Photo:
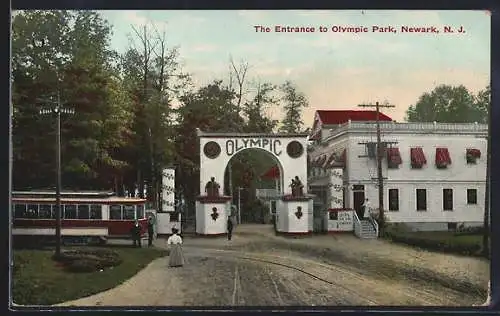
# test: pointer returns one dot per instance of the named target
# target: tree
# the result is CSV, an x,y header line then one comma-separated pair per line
x,y
294,102
153,76
446,104
482,104
66,53
254,110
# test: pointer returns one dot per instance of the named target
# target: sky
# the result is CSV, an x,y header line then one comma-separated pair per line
x,y
335,70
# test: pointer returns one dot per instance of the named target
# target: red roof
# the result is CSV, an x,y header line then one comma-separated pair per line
x,y
272,173
332,117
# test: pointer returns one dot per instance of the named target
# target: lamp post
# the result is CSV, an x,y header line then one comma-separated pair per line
x,y
239,204
57,109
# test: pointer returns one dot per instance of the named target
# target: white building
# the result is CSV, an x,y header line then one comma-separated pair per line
x,y
434,173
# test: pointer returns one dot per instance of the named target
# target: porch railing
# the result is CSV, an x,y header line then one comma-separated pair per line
x,y
357,225
374,222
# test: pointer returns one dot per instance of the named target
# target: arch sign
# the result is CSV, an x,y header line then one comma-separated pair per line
x,y
216,149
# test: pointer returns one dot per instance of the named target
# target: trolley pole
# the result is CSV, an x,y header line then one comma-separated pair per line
x,y
380,178
57,110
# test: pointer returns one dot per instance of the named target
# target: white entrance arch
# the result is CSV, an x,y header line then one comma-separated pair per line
x,y
216,149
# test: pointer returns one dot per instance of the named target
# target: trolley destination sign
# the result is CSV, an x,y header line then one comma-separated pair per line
x,y
272,145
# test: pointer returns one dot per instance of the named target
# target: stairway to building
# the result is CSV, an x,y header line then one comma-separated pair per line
x,y
367,230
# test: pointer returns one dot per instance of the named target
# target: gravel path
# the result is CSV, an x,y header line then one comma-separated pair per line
x,y
257,268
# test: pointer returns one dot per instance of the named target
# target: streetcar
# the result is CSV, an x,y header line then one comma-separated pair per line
x,y
86,217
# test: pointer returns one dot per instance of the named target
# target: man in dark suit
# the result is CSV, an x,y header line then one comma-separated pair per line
x,y
151,231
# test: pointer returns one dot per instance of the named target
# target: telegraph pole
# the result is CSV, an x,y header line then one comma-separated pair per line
x,y
380,178
57,110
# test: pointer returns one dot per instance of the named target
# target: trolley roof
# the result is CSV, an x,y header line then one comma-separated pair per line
x,y
105,197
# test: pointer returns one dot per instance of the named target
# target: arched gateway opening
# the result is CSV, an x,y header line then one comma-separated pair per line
x,y
213,206
252,190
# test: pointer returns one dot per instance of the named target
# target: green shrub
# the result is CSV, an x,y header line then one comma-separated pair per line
x,y
84,266
438,241
89,260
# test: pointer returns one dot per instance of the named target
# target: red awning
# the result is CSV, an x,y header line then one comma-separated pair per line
x,y
473,152
317,161
331,160
273,173
442,157
343,156
394,156
417,157
322,161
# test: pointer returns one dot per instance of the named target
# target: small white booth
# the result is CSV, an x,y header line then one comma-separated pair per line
x,y
340,220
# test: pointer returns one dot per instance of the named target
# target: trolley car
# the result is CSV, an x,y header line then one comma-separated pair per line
x,y
86,217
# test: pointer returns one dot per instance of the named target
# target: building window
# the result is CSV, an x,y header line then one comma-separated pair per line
x,y
421,200
447,199
129,212
95,211
393,200
83,211
70,211
115,212
471,196
45,211
452,226
333,216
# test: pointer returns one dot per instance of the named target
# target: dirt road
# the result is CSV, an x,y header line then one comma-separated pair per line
x,y
257,268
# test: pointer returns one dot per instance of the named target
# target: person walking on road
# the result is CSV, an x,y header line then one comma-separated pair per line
x,y
151,231
229,228
174,243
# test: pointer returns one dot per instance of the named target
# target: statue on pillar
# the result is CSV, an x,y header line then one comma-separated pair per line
x,y
297,187
212,188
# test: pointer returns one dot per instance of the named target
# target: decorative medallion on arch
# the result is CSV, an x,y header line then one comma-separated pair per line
x,y
212,150
294,149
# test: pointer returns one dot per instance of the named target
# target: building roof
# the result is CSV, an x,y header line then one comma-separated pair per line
x,y
331,117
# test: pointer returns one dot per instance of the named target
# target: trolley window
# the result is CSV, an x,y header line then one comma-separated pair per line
x,y
140,211
95,211
32,211
83,211
45,211
19,210
54,211
115,212
70,211
129,212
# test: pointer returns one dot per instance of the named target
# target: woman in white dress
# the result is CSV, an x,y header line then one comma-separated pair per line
x,y
174,243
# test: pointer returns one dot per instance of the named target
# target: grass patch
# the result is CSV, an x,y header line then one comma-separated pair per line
x,y
39,280
466,243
